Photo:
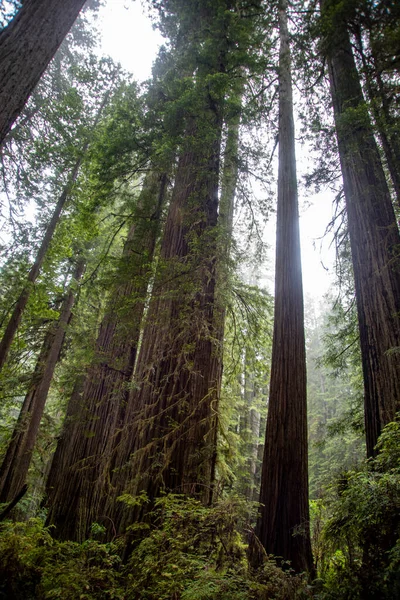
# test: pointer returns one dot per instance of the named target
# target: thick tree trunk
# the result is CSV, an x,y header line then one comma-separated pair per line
x,y
374,239
27,45
79,477
15,465
170,440
283,526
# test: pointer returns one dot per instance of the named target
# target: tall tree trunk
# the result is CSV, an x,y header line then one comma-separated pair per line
x,y
15,465
374,238
229,178
27,45
170,439
283,525
78,480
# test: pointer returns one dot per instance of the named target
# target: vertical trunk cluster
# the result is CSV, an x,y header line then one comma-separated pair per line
x,y
170,438
374,237
27,45
158,433
15,465
283,526
77,486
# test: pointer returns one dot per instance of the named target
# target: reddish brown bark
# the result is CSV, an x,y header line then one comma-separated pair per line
x,y
15,465
374,239
283,525
169,442
79,477
27,45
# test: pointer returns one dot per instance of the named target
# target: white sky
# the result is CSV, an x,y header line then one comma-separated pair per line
x,y
128,37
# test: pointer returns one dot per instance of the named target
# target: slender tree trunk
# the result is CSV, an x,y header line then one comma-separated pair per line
x,y
79,477
228,184
27,45
253,432
254,471
170,440
229,180
374,239
15,465
283,526
22,301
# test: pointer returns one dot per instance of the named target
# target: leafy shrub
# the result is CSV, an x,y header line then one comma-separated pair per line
x,y
185,552
198,553
34,565
362,534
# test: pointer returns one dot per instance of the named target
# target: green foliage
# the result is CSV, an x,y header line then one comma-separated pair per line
x,y
335,401
243,404
189,552
360,536
199,553
34,565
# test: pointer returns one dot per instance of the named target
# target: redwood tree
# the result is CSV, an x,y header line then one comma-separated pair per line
x,y
373,231
22,300
77,486
283,525
27,45
169,440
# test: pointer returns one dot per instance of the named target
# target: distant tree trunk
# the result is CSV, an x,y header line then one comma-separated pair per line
x,y
254,471
170,439
374,238
283,525
27,45
33,274
252,433
229,180
22,301
15,465
78,482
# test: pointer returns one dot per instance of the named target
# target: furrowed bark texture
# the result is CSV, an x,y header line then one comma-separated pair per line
x,y
374,239
15,465
78,481
283,525
27,45
169,442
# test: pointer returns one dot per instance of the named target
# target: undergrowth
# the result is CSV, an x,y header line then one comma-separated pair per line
x,y
189,553
186,551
